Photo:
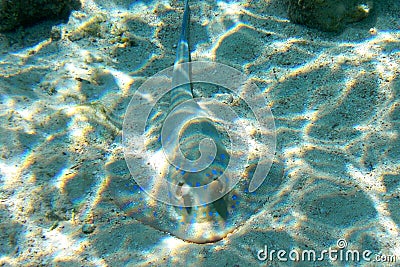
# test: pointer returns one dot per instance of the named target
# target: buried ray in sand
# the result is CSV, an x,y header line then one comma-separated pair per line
x,y
195,175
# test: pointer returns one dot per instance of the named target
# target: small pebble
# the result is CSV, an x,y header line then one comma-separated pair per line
x,y
55,33
373,31
224,98
88,228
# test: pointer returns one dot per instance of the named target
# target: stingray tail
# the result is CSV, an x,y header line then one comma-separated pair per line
x,y
181,73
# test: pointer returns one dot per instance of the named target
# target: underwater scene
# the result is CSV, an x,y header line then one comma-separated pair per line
x,y
200,133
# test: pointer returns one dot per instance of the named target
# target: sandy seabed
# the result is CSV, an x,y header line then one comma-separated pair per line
x,y
335,99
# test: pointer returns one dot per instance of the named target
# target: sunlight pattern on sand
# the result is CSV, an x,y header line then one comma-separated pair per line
x,y
336,102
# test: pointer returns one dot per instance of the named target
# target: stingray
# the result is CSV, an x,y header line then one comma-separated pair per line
x,y
189,177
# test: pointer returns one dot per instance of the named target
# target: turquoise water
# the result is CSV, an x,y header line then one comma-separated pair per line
x,y
335,101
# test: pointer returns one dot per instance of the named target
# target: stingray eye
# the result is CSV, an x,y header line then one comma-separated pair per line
x,y
182,189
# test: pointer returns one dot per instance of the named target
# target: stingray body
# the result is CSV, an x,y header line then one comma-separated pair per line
x,y
191,132
196,216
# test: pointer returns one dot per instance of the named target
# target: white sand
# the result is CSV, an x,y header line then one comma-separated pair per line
x,y
335,98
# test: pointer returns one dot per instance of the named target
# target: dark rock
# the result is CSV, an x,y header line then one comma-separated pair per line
x,y
328,15
16,13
